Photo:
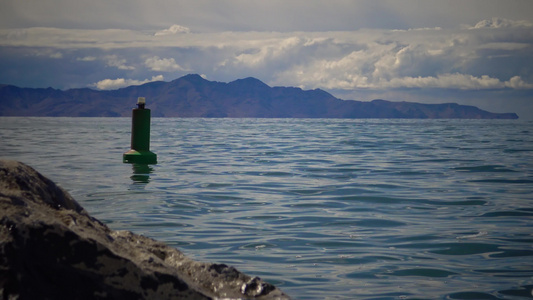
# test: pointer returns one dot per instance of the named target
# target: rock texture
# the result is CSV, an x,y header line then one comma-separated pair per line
x,y
51,248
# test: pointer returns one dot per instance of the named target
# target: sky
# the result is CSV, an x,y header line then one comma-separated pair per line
x,y
474,52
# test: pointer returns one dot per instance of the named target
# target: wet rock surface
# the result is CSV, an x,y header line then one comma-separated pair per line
x,y
51,248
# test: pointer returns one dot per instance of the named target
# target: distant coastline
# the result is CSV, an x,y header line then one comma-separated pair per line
x,y
194,96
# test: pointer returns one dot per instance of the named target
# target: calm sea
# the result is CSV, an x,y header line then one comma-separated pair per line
x,y
324,209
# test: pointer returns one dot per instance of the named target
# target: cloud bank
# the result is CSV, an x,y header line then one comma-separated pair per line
x,y
491,54
494,54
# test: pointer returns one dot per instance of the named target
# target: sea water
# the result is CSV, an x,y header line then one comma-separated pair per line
x,y
322,208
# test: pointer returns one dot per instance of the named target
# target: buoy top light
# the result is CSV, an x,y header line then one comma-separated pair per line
x,y
141,101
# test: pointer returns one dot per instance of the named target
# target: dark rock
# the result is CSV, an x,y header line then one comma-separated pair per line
x,y
51,248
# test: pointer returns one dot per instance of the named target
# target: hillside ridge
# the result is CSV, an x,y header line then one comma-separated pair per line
x,y
194,96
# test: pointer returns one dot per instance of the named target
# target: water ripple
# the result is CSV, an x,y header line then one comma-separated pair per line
x,y
325,209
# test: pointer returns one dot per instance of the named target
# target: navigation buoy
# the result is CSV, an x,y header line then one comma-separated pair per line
x,y
140,136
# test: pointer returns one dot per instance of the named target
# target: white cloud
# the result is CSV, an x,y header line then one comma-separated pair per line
x,y
49,53
453,81
444,81
86,58
111,84
174,29
162,64
114,61
269,52
517,83
56,55
502,23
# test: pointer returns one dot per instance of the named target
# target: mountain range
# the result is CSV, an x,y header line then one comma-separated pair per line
x,y
194,96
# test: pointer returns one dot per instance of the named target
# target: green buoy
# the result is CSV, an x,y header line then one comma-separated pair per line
x,y
140,136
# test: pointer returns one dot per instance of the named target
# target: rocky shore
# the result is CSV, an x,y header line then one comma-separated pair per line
x,y
51,248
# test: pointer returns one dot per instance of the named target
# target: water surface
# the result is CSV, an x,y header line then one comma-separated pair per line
x,y
324,209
